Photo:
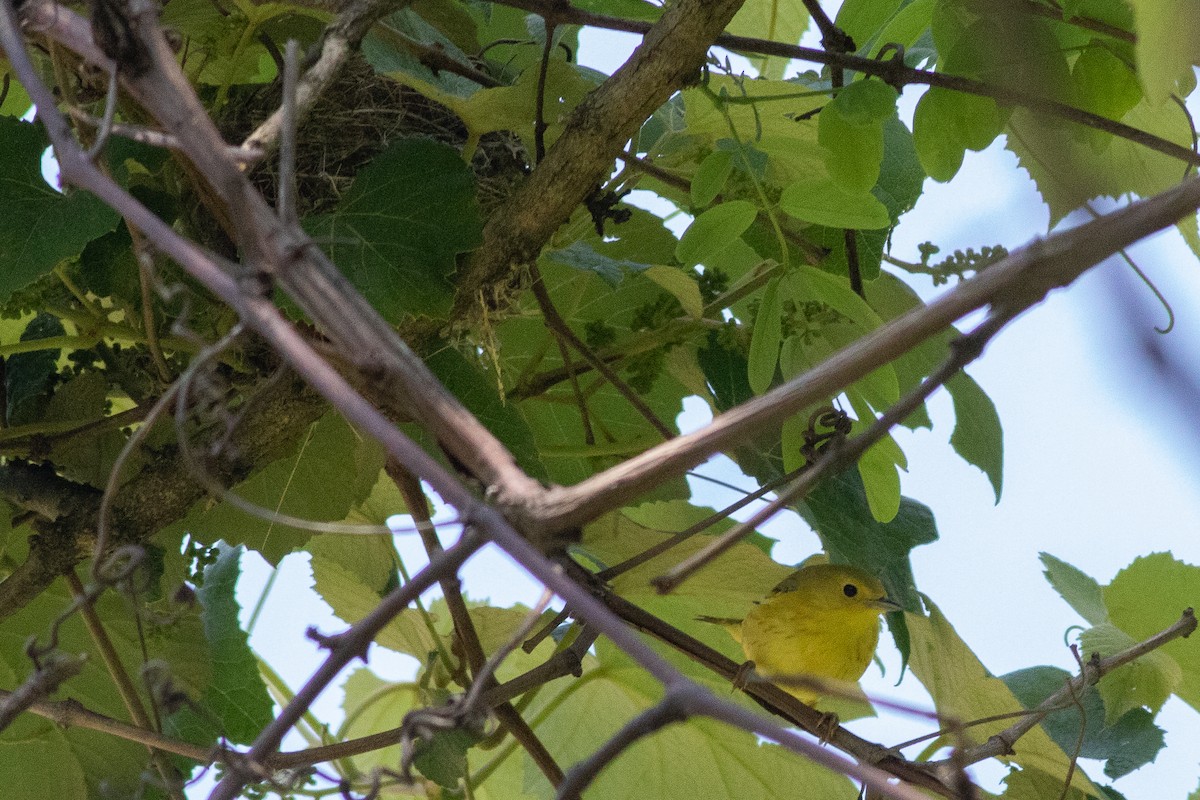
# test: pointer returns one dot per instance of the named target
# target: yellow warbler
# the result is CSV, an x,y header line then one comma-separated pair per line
x,y
822,621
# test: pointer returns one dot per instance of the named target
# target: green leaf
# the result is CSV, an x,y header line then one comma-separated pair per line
x,y
714,230
901,179
838,511
28,376
710,177
977,436
1104,84
318,482
1148,681
40,763
766,339
398,228
1131,742
1168,44
777,20
237,697
850,129
1034,784
1081,591
727,371
697,758
962,688
477,391
443,758
881,479
822,202
1101,165
64,222
682,285
372,704
948,123
1148,596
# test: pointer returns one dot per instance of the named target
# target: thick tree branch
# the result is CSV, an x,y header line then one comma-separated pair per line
x,y
669,58
1010,286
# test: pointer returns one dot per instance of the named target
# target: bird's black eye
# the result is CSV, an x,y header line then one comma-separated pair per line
x,y
850,590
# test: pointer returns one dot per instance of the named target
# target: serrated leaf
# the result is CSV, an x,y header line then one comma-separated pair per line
x,y
64,223
977,435
766,339
237,697
371,705
400,225
318,482
1129,743
40,764
1148,596
822,202
1081,591
714,230
962,688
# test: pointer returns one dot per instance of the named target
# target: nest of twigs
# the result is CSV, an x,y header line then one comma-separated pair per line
x,y
352,122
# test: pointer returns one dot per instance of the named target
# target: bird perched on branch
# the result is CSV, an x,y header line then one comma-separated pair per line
x,y
822,622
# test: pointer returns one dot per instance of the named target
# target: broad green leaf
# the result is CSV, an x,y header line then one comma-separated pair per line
x,y
698,758
90,459
1148,681
727,587
1104,84
398,228
477,391
681,284
881,480
371,705
838,511
318,482
850,129
352,596
862,19
766,339
837,294
28,376
823,202
1148,596
1129,743
237,697
977,435
40,763
962,688
1081,591
901,179
371,559
17,101
777,20
948,123
1033,784
1071,167
715,229
727,371
710,177
1168,43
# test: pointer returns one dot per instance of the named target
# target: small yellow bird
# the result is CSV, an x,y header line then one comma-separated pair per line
x,y
821,622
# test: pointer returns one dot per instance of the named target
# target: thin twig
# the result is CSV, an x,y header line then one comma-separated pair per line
x,y
963,351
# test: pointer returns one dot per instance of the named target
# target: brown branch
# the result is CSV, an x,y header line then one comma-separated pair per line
x,y
1093,670
464,627
559,327
668,58
893,71
1012,285
963,351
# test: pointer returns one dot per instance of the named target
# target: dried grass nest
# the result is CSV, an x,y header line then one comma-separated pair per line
x,y
352,122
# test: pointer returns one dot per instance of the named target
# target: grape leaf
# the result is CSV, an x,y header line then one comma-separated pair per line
x,y
63,222
398,228
1081,591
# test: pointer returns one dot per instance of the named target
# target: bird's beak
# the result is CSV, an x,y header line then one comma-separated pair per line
x,y
887,605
